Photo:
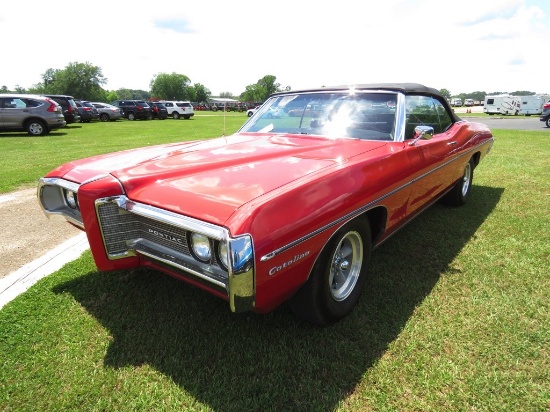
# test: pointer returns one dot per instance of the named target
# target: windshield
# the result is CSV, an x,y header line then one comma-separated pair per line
x,y
369,116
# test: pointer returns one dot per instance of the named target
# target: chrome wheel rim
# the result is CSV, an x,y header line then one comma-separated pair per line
x,y
36,128
346,266
466,179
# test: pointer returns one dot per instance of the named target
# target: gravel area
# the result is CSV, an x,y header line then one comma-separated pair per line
x,y
27,233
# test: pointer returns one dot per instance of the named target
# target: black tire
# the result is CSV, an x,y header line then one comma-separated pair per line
x,y
548,122
131,116
175,115
186,117
458,195
337,279
37,128
104,117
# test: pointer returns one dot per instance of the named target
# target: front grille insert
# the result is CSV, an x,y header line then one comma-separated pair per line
x,y
128,233
119,227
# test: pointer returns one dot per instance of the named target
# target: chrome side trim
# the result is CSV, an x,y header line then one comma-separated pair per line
x,y
362,209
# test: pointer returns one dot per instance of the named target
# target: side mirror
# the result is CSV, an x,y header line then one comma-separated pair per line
x,y
422,132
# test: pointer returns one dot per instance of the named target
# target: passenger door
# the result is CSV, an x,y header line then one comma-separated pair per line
x,y
432,168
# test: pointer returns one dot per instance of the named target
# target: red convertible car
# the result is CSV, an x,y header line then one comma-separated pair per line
x,y
289,208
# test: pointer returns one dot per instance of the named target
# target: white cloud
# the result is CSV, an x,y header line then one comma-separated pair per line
x,y
491,45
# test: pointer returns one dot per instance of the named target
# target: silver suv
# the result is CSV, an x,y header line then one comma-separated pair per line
x,y
37,115
178,109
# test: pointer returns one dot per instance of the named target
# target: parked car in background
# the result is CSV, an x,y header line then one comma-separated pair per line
x,y
36,115
87,111
159,110
456,102
107,112
545,115
178,109
134,109
287,209
250,112
67,103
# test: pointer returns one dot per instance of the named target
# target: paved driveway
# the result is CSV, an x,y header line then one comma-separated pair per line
x,y
511,122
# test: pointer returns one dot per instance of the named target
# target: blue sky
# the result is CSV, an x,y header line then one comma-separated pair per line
x,y
471,45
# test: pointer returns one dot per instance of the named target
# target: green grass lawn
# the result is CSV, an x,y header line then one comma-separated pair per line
x,y
455,315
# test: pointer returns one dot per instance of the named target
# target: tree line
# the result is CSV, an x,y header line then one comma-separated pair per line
x,y
85,81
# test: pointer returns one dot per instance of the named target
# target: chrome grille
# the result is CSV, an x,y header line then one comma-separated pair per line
x,y
121,227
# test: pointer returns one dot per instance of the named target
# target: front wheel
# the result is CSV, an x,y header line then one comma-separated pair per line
x,y
104,117
336,281
461,190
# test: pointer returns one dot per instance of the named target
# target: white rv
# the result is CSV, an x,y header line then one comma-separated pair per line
x,y
533,104
502,104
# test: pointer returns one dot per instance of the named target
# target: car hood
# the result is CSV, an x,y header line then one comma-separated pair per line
x,y
211,179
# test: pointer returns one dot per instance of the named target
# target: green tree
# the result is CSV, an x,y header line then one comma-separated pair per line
x,y
110,96
260,91
129,94
172,86
445,93
202,94
81,80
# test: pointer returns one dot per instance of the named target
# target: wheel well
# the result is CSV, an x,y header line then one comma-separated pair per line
x,y
35,119
377,218
476,156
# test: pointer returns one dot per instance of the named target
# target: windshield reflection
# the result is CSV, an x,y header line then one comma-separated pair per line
x,y
369,115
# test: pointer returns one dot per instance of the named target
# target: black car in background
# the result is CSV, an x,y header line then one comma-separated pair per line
x,y
67,103
545,115
134,109
87,111
158,110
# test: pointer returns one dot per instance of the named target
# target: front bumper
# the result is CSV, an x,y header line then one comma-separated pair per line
x,y
129,229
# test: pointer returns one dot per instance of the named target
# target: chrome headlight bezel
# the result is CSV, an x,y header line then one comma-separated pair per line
x,y
200,247
71,198
223,254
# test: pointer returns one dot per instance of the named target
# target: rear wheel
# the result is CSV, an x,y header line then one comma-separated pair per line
x,y
131,116
175,115
461,190
104,117
336,281
37,128
548,122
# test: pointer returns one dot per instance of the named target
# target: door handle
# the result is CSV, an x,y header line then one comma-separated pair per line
x,y
451,144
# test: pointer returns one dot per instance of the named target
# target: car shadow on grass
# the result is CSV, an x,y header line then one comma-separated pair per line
x,y
274,361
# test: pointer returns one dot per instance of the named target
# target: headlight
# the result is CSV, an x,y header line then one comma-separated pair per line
x,y
223,254
70,198
200,245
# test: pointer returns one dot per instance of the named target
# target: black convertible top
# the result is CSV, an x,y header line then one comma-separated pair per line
x,y
398,87
405,88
